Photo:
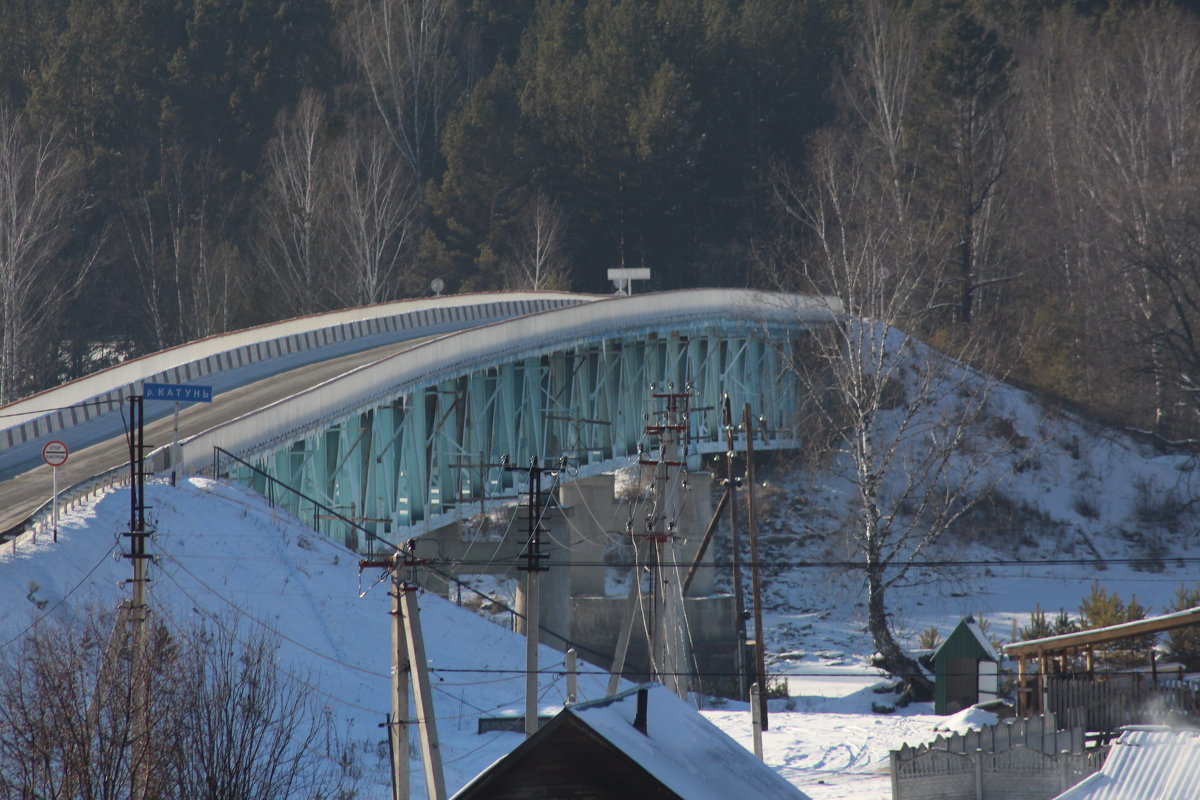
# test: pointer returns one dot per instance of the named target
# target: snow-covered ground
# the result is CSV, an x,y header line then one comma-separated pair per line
x,y
225,554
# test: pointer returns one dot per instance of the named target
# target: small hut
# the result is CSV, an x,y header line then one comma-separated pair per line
x,y
964,668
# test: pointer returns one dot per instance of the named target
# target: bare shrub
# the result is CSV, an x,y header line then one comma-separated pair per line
x,y
225,720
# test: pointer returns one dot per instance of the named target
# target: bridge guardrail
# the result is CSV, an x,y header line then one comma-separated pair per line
x,y
103,392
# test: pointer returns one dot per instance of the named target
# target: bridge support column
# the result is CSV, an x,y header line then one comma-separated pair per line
x,y
594,519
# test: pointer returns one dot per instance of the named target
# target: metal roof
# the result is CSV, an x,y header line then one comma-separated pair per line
x,y
1072,641
1146,761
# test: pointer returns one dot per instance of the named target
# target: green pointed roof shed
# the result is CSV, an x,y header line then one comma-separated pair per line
x,y
964,669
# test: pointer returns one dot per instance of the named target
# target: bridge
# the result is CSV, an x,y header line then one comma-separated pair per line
x,y
398,415
400,421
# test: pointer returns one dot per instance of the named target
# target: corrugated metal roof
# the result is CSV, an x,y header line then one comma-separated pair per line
x,y
1146,761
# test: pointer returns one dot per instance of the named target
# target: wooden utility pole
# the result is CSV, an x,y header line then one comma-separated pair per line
x,y
669,657
739,603
397,721
632,602
760,668
139,689
408,656
431,753
534,565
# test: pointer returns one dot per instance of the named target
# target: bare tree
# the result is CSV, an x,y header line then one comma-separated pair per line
x,y
402,50
904,414
878,91
294,210
65,720
538,261
187,272
226,721
1120,147
250,732
38,198
373,213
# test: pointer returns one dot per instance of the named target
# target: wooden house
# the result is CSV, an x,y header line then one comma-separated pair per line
x,y
965,669
644,743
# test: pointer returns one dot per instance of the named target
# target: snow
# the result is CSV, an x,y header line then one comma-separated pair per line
x,y
969,719
225,555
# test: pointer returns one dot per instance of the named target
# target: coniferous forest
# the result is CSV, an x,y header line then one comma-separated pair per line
x,y
171,169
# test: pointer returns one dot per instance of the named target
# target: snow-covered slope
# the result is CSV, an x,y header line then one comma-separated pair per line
x,y
224,554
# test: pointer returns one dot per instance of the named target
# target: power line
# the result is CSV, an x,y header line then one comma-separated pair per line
x,y
849,564
43,411
62,599
269,627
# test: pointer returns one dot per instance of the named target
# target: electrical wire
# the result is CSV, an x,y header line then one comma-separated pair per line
x,y
37,412
61,600
269,627
939,564
278,667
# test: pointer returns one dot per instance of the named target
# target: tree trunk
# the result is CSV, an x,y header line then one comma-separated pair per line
x,y
892,657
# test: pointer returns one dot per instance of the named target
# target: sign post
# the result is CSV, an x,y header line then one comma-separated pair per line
x,y
180,393
55,454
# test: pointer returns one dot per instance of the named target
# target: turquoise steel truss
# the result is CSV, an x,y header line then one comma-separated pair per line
x,y
431,454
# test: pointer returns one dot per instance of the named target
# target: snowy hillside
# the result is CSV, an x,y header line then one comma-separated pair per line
x,y
224,554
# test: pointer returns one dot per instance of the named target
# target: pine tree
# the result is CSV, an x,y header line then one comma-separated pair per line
x,y
1183,644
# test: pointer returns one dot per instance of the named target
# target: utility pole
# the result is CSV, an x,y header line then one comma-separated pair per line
x,y
397,722
138,610
408,654
669,659
632,603
739,603
534,564
431,752
760,668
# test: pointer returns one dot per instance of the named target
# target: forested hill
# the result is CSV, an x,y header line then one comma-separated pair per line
x,y
174,168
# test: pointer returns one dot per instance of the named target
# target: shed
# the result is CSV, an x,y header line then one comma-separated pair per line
x,y
964,669
643,743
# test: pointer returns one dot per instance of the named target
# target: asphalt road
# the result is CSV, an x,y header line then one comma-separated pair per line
x,y
22,494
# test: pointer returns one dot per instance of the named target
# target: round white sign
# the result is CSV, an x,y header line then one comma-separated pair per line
x,y
55,453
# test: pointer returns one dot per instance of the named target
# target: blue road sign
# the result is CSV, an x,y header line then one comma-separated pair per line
x,y
181,392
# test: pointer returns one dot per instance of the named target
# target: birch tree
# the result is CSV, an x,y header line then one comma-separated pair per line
x,y
908,444
538,261
187,272
292,245
374,214
402,50
38,198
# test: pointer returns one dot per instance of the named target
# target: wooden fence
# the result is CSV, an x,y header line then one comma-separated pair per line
x,y
1137,699
1023,759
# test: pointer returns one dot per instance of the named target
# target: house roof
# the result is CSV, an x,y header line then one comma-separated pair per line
x,y
681,749
967,640
1145,761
